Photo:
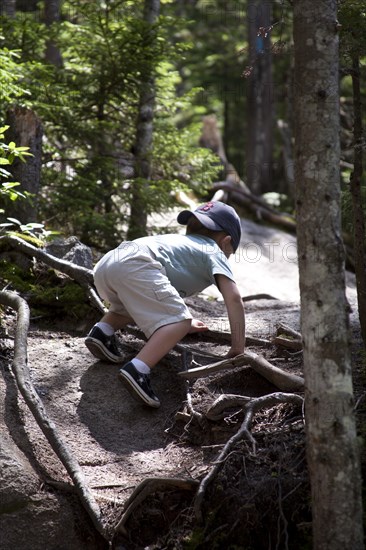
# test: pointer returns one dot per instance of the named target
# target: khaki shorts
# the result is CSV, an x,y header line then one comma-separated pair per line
x,y
135,284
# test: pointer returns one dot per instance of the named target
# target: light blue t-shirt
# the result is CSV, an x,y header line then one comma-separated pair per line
x,y
190,261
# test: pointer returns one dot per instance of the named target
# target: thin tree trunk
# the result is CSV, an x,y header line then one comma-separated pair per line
x,y
259,149
52,15
144,134
332,447
357,199
26,131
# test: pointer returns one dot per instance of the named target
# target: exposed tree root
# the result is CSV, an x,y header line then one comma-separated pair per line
x,y
34,403
146,488
250,408
80,274
282,380
216,411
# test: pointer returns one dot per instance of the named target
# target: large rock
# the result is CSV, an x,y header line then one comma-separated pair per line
x,y
32,516
72,250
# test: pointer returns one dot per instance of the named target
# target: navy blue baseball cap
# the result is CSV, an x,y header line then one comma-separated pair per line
x,y
216,216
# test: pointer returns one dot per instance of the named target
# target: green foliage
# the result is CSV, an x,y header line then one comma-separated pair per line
x,y
89,110
8,189
9,152
10,75
352,18
47,294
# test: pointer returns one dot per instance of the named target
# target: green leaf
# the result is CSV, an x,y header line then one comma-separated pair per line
x,y
14,220
10,184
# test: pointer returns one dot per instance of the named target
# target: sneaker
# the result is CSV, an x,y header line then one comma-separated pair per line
x,y
102,346
138,385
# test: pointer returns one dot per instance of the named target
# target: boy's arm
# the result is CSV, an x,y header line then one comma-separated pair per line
x,y
235,309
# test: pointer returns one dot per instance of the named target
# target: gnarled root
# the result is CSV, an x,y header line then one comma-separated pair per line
x,y
249,408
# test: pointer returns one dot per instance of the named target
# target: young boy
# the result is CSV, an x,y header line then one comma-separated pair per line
x,y
146,280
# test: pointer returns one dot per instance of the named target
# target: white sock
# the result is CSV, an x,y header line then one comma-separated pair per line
x,y
106,328
141,366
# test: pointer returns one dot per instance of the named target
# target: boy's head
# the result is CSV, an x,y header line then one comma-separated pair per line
x,y
216,216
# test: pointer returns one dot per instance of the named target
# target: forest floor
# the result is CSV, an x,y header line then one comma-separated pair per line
x,y
260,499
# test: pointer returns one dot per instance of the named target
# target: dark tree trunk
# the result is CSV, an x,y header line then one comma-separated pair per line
x,y
27,5
7,8
359,240
260,98
144,136
52,15
332,446
26,131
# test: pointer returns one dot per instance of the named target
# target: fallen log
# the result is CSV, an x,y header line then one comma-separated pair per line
x,y
257,205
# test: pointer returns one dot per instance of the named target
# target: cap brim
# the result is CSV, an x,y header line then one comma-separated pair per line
x,y
184,216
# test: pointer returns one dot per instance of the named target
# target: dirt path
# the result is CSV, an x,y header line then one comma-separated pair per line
x,y
119,443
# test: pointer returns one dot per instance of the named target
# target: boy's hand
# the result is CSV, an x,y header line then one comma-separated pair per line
x,y
234,352
197,326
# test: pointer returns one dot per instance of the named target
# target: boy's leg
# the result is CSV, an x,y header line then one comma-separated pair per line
x,y
135,374
101,341
116,320
162,341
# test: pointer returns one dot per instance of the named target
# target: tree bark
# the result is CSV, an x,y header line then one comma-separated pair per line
x,y
332,448
260,98
52,15
357,199
26,131
144,133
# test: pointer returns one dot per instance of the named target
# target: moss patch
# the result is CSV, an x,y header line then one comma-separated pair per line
x,y
46,292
